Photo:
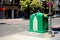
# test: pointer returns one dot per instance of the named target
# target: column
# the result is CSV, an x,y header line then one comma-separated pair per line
x,y
2,1
12,13
3,12
17,13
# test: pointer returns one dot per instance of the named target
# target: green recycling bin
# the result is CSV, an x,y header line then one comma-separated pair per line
x,y
38,22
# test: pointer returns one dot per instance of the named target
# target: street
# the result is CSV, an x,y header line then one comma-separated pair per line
x,y
20,31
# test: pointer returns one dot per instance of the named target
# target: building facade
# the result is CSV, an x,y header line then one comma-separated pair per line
x,y
12,7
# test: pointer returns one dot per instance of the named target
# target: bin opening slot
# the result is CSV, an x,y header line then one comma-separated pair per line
x,y
35,14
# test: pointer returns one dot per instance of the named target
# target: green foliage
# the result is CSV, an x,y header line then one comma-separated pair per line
x,y
24,3
47,0
33,4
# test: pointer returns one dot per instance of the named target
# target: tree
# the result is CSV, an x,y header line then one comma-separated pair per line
x,y
24,3
29,6
33,4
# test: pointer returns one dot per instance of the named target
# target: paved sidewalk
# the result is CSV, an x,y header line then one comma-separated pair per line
x,y
13,21
26,36
21,20
20,32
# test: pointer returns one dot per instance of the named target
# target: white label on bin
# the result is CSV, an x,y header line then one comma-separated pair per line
x,y
35,24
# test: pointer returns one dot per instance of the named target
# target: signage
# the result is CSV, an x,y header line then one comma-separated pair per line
x,y
35,24
2,9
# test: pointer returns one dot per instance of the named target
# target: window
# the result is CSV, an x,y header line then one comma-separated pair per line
x,y
7,1
16,2
0,1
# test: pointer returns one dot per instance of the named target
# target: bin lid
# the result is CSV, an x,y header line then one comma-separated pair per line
x,y
39,13
42,14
